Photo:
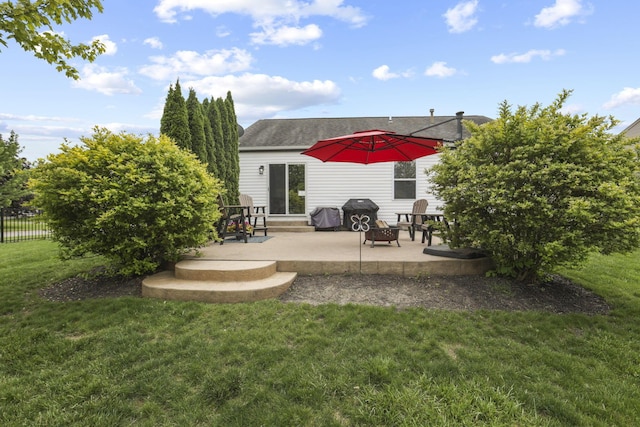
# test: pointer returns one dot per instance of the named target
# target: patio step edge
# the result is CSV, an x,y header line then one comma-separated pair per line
x,y
166,286
276,228
224,271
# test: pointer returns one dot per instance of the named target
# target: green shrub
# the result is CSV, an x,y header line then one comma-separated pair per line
x,y
537,188
139,202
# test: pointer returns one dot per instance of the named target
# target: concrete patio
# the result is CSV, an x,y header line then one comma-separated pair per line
x,y
338,252
242,272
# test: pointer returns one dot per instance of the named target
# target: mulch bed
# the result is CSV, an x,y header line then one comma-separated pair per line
x,y
558,295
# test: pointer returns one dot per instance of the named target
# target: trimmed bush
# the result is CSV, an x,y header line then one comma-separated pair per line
x,y
537,188
137,201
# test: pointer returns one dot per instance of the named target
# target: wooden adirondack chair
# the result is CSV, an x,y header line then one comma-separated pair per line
x,y
413,220
255,212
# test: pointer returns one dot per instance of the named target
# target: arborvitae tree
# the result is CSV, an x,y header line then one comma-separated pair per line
x,y
225,151
233,147
196,126
175,119
216,116
215,119
215,142
212,164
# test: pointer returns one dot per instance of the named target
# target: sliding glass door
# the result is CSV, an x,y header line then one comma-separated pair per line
x,y
287,189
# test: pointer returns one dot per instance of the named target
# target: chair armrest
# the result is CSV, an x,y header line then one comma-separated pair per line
x,y
405,214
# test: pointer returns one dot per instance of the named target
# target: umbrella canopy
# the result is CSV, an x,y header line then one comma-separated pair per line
x,y
373,146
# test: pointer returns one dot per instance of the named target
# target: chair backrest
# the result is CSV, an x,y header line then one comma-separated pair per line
x,y
419,207
246,200
222,205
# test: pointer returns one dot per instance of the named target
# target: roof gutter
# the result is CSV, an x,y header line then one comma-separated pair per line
x,y
275,148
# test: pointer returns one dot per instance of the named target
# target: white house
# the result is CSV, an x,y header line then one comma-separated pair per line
x,y
275,173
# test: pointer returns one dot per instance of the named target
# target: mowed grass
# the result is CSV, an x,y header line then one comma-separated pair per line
x,y
132,361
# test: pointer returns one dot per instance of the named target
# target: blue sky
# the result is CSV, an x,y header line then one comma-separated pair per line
x,y
327,58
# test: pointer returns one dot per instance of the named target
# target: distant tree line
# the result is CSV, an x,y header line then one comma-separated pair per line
x,y
12,181
209,129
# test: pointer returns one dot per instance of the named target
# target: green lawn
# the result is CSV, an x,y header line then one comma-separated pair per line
x,y
131,361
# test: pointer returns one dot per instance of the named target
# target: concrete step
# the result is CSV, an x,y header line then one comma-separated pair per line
x,y
218,281
287,222
224,271
165,286
290,228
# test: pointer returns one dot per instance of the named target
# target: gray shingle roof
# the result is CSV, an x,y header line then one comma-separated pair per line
x,y
303,133
633,130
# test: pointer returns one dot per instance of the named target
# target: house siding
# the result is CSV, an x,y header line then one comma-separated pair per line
x,y
332,184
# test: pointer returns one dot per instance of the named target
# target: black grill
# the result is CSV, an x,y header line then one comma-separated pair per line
x,y
359,207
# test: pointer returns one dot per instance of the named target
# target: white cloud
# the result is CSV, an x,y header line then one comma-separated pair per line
x,y
190,64
526,57
137,129
33,118
264,10
222,31
440,69
572,109
462,17
154,42
285,35
627,96
561,13
383,73
258,95
277,21
110,47
99,79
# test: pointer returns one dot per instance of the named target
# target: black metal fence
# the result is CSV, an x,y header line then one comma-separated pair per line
x,y
18,224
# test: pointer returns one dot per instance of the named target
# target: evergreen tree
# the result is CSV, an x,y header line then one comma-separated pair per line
x,y
216,117
233,147
212,165
11,181
210,130
175,119
225,151
196,126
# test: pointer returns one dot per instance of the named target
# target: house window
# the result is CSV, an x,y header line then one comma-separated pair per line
x,y
404,180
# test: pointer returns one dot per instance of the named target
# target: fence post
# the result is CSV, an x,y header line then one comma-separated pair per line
x,y
1,225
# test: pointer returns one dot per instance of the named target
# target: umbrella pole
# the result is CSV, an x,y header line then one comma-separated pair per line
x,y
360,245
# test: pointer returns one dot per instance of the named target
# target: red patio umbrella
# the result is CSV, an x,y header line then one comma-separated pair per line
x,y
373,146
